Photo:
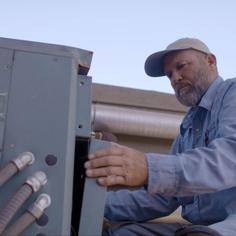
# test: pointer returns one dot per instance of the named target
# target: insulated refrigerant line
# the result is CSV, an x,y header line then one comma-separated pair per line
x,y
16,165
35,211
32,184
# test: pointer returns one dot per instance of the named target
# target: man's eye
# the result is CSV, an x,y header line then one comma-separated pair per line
x,y
182,65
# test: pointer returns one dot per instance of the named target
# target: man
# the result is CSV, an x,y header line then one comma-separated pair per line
x,y
199,173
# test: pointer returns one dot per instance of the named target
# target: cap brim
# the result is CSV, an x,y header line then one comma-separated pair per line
x,y
154,64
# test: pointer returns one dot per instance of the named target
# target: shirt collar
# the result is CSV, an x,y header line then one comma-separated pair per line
x,y
209,96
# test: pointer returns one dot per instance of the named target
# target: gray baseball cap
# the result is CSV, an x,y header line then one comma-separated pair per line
x,y
155,62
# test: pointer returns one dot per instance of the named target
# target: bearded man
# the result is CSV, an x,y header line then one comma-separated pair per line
x,y
199,171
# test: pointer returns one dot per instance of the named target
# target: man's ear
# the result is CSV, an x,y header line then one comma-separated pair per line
x,y
211,59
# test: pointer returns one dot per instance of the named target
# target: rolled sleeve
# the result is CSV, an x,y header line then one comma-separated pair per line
x,y
163,173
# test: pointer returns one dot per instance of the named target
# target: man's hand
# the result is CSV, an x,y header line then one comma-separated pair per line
x,y
118,165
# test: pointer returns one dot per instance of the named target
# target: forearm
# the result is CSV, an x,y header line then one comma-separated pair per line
x,y
138,205
197,171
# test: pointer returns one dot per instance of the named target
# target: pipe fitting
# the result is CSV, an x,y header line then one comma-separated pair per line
x,y
24,159
37,180
38,207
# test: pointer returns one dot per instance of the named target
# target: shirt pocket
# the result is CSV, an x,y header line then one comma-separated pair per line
x,y
186,139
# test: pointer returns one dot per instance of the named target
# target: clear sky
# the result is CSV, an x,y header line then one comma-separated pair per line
x,y
122,33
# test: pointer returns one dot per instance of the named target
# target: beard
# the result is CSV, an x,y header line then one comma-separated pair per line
x,y
190,94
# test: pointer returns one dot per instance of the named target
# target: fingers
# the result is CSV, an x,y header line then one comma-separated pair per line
x,y
106,171
114,150
113,175
108,165
111,180
103,161
117,165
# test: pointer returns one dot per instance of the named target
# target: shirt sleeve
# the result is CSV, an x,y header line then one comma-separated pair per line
x,y
137,205
203,169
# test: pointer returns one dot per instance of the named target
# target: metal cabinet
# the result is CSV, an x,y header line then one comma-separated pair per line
x,y
45,104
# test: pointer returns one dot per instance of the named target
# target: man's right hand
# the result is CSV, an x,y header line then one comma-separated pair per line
x,y
118,165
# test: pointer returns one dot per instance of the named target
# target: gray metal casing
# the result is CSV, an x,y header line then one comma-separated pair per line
x,y
43,107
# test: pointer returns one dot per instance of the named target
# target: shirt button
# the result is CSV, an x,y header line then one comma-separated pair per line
x,y
197,130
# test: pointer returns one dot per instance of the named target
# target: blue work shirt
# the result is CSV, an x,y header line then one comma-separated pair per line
x,y
199,173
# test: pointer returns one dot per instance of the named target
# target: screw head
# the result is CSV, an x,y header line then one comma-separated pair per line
x,y
43,220
51,160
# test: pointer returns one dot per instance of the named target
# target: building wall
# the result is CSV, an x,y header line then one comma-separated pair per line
x,y
139,99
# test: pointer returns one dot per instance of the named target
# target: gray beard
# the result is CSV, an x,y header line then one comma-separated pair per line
x,y
195,93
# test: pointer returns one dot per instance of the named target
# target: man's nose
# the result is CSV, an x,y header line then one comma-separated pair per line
x,y
175,77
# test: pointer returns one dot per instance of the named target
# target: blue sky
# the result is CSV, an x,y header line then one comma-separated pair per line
x,y
123,33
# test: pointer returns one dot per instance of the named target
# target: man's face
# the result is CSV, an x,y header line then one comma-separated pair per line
x,y
189,73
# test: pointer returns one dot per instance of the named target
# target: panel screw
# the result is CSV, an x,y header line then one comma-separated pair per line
x,y
51,160
6,67
43,220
